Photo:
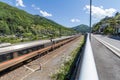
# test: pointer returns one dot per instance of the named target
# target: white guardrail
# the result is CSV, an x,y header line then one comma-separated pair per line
x,y
88,69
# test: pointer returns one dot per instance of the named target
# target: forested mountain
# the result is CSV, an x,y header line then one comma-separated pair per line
x,y
20,24
82,28
108,25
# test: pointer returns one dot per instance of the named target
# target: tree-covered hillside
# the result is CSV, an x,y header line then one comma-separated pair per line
x,y
108,25
82,28
16,23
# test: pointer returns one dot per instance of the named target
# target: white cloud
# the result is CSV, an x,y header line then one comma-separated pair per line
x,y
20,3
45,14
100,12
33,5
75,20
36,8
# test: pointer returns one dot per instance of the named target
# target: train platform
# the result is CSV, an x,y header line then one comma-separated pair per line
x,y
49,64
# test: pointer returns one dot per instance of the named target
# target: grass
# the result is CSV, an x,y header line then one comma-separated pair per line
x,y
13,40
61,73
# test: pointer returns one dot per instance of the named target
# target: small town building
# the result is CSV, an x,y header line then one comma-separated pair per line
x,y
117,30
102,27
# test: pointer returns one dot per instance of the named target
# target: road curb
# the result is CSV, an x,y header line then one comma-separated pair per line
x,y
115,50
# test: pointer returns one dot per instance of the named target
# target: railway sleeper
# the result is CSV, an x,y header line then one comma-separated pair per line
x,y
39,54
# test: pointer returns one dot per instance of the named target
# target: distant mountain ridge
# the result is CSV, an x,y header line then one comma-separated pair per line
x,y
82,28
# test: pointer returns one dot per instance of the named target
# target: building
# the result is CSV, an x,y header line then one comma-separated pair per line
x,y
117,30
102,27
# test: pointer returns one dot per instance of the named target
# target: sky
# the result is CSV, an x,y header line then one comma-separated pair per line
x,y
68,13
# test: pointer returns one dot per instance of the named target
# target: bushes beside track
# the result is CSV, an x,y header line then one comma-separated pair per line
x,y
61,73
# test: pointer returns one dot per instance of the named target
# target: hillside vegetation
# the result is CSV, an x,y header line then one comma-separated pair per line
x,y
108,25
82,28
17,25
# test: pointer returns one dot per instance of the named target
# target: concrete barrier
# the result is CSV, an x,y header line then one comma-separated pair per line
x,y
88,69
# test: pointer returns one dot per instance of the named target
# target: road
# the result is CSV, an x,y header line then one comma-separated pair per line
x,y
111,41
107,63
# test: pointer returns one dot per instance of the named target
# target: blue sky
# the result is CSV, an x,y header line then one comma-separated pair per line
x,y
68,13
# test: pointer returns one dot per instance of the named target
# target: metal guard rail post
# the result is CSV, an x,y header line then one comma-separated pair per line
x,y
88,69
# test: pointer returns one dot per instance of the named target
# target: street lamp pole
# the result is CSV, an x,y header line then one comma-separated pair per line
x,y
90,18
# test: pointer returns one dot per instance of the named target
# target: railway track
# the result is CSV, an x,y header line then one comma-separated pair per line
x,y
25,67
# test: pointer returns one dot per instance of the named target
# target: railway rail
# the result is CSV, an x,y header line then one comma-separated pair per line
x,y
41,49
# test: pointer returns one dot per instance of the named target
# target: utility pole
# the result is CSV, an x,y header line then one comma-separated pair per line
x,y
90,17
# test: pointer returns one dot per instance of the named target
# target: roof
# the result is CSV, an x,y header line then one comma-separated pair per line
x,y
25,45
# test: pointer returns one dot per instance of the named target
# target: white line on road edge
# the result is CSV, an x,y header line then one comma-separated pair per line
x,y
109,46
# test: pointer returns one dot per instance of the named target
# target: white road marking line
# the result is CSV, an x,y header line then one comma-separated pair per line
x,y
108,44
111,47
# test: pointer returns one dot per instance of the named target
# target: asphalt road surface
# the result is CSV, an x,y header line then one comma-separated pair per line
x,y
107,63
114,42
